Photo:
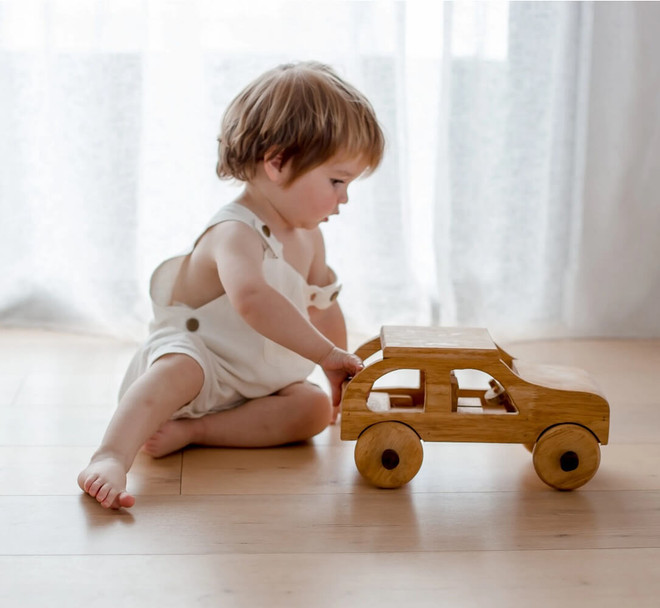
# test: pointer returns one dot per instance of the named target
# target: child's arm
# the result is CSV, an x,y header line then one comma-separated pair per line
x,y
330,322
238,255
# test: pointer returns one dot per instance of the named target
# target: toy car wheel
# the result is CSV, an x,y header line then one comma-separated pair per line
x,y
566,456
388,454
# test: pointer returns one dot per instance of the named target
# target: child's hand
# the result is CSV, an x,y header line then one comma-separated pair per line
x,y
339,365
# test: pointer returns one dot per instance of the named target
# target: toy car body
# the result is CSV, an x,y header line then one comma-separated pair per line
x,y
558,412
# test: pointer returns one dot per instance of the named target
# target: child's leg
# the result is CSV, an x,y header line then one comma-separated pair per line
x,y
295,413
169,384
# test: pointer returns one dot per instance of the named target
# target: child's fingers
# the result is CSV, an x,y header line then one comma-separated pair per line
x,y
354,364
343,362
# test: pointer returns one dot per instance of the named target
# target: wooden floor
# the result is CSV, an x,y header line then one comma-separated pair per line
x,y
296,526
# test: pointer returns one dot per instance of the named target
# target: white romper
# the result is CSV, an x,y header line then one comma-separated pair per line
x,y
238,362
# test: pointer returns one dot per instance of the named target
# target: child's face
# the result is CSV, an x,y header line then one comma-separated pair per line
x,y
316,195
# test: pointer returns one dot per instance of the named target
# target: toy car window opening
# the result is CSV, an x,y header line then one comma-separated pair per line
x,y
476,392
399,389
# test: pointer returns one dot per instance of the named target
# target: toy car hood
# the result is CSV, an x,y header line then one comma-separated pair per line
x,y
559,377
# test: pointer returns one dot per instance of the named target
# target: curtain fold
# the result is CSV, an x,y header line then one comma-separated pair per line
x,y
512,155
518,192
616,278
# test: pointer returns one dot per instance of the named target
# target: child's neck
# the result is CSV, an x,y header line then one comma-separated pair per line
x,y
257,200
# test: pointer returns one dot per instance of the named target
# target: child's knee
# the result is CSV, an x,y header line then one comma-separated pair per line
x,y
181,373
314,413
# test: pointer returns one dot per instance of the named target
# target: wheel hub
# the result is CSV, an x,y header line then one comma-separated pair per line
x,y
390,459
569,461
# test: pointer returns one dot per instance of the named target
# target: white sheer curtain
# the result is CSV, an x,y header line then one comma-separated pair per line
x,y
519,190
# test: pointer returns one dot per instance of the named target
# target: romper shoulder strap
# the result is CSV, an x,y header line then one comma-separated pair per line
x,y
239,213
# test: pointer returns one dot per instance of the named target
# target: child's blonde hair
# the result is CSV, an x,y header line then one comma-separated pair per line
x,y
303,111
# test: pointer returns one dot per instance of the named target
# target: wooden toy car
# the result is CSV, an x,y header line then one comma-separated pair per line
x,y
466,388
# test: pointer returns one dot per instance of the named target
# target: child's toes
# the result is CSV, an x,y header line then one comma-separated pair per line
x,y
103,493
110,501
94,487
117,500
125,500
82,481
86,482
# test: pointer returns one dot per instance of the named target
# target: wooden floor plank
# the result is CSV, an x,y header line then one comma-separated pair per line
x,y
68,389
447,467
52,471
54,425
9,388
613,578
373,522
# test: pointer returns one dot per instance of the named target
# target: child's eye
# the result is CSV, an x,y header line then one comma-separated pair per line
x,y
336,181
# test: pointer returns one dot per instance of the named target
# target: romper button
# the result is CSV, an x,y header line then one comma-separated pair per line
x,y
192,324
266,230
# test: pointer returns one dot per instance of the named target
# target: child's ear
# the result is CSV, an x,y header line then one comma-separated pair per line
x,y
274,167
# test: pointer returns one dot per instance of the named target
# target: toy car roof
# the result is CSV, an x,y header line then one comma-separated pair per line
x,y
397,341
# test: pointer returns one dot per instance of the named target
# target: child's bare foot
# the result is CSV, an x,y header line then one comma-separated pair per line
x,y
172,436
105,480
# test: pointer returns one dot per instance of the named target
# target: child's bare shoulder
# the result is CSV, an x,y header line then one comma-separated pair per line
x,y
225,241
229,233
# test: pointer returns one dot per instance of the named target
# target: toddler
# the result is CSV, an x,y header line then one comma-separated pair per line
x,y
241,319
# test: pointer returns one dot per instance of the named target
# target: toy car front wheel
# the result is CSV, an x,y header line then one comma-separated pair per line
x,y
566,456
388,454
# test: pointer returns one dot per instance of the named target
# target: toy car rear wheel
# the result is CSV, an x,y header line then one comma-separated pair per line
x,y
566,456
388,454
